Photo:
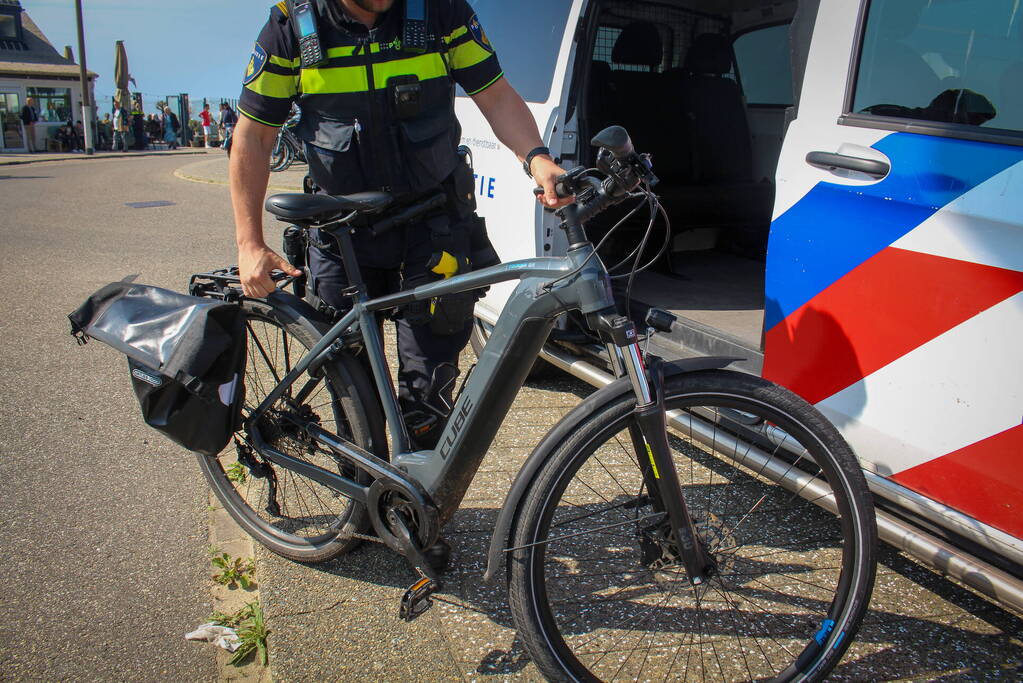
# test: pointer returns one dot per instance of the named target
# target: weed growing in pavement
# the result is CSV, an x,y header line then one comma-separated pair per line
x,y
232,571
253,632
237,473
231,620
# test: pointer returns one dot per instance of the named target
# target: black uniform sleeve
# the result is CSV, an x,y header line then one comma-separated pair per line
x,y
471,57
271,77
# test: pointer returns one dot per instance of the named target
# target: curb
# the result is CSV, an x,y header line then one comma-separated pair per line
x,y
216,181
93,157
227,536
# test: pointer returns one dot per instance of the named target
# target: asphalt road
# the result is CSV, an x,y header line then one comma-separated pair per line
x,y
103,523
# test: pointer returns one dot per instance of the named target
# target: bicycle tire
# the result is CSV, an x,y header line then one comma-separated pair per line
x,y
594,607
313,523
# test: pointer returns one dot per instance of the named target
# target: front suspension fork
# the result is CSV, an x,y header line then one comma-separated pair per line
x,y
650,438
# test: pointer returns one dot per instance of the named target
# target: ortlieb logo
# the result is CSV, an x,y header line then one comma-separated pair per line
x,y
140,374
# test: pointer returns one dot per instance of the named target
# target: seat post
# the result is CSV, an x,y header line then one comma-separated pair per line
x,y
352,272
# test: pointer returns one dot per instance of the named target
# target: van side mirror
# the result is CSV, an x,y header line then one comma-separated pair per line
x,y
616,140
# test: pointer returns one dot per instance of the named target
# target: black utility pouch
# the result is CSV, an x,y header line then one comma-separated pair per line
x,y
462,186
416,312
481,251
451,313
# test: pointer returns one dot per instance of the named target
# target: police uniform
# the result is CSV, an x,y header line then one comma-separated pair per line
x,y
360,135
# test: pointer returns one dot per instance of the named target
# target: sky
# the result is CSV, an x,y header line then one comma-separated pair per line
x,y
199,47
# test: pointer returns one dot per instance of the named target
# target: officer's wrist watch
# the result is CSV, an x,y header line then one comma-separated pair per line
x,y
533,153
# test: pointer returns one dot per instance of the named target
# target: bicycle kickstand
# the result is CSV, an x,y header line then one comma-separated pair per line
x,y
416,599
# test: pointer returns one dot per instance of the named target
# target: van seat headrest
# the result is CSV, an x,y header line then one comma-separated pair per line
x,y
710,53
638,43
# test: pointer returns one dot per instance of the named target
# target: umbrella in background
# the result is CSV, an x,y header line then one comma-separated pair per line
x,y
121,75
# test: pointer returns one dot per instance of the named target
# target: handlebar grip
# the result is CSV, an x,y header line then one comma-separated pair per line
x,y
559,188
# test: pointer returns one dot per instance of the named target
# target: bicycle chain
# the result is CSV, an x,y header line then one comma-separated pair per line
x,y
364,537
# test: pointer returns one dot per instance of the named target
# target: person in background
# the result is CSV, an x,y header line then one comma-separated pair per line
x,y
120,124
227,120
206,119
104,132
78,136
171,126
29,117
65,136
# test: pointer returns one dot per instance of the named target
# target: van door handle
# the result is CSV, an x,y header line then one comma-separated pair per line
x,y
830,161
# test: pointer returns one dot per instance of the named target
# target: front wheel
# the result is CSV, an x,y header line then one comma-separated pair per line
x,y
597,587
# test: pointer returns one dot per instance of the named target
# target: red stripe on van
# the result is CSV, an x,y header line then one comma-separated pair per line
x,y
883,309
984,480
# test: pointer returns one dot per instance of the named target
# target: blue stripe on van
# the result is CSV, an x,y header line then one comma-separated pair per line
x,y
835,228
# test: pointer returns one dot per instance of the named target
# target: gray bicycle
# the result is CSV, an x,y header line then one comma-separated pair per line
x,y
686,521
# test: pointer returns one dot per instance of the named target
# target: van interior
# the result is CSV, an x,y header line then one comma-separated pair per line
x,y
704,86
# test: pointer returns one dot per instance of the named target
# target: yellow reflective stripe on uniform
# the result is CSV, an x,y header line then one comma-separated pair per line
x,y
283,7
467,54
457,33
340,79
348,79
286,63
425,67
349,50
346,51
274,85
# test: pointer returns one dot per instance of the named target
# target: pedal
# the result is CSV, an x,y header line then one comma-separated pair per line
x,y
417,598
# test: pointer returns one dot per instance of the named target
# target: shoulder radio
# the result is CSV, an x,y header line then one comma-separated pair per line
x,y
414,33
310,48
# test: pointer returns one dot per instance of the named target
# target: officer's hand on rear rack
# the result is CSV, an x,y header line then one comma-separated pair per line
x,y
545,173
255,263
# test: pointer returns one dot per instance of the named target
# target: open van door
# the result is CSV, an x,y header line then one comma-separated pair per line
x,y
533,40
894,281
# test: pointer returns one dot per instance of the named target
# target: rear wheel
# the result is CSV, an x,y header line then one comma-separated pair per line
x,y
281,156
597,587
290,514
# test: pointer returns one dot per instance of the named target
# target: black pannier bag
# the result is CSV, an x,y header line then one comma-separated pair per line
x,y
186,356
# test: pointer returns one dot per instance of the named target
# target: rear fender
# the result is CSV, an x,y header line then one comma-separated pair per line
x,y
506,519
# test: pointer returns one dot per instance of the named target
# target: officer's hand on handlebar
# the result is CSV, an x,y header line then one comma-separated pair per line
x,y
545,173
254,267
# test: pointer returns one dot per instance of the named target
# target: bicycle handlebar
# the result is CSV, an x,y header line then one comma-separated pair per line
x,y
625,170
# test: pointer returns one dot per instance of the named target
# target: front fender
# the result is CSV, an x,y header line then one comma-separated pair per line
x,y
509,511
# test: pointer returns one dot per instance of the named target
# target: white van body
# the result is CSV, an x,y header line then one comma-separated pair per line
x,y
891,297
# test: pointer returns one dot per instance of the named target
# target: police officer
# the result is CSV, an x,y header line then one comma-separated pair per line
x,y
378,114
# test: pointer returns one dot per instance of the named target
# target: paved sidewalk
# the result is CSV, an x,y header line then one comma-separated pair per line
x,y
19,159
214,172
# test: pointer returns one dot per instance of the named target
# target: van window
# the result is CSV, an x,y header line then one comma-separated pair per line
x,y
527,35
762,57
954,61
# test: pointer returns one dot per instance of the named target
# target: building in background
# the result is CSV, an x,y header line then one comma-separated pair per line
x,y
31,67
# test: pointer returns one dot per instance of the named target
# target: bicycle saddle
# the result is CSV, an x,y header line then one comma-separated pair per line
x,y
320,207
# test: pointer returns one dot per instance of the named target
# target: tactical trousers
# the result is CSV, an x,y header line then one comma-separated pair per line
x,y
421,352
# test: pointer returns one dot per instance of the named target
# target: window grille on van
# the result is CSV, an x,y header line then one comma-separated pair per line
x,y
677,27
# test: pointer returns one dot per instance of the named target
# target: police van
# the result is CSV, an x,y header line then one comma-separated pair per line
x,y
844,182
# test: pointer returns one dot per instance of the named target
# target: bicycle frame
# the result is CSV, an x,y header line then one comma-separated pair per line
x,y
446,472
